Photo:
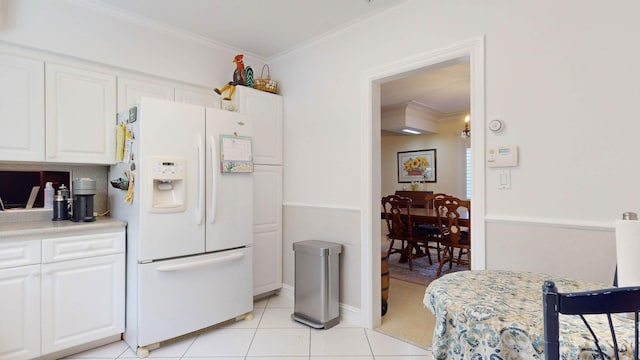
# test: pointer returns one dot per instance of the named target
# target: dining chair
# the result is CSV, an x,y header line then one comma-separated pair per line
x,y
432,230
452,234
397,211
604,301
430,198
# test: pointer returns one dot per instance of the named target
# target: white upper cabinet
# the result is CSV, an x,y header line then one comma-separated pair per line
x,y
196,96
130,91
266,110
81,115
21,109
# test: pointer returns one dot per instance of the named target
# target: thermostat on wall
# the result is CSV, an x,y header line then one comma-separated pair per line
x,y
496,125
502,156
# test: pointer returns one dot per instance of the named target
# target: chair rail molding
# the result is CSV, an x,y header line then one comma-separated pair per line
x,y
322,206
607,226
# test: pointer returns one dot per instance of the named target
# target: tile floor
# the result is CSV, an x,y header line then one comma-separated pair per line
x,y
271,334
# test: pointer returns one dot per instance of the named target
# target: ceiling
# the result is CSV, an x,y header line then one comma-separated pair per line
x,y
262,28
265,29
444,90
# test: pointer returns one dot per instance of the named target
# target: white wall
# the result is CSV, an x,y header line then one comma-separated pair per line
x,y
561,75
449,159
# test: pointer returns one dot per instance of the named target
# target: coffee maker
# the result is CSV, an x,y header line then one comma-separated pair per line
x,y
83,191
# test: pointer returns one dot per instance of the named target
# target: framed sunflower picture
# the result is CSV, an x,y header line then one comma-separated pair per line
x,y
417,165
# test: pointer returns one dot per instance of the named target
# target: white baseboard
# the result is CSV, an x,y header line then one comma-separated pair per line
x,y
348,313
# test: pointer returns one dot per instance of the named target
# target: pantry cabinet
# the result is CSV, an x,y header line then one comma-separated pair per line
x,y
21,108
61,291
80,115
265,109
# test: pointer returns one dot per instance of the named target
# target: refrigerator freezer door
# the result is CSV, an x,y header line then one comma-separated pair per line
x,y
184,295
229,200
170,138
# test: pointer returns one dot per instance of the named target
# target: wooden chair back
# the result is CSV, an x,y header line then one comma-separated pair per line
x,y
605,301
397,210
394,206
449,221
429,200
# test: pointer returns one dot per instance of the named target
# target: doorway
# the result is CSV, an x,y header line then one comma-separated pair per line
x,y
431,104
471,51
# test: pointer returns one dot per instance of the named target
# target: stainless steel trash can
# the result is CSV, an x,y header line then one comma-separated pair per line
x,y
317,288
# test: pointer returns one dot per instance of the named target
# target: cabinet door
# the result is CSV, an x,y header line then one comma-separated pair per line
x,y
21,108
20,313
80,115
82,301
266,111
267,228
198,97
131,90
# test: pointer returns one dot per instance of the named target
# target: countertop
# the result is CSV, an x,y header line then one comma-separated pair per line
x,y
30,223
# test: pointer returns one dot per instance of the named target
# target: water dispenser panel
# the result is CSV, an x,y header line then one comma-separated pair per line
x,y
169,192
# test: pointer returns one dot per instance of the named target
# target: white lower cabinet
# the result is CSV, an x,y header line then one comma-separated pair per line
x,y
20,312
61,292
267,228
82,301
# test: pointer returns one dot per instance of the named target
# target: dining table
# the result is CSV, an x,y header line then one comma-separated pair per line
x,y
430,216
498,314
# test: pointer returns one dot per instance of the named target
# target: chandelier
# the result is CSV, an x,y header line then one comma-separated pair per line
x,y
466,133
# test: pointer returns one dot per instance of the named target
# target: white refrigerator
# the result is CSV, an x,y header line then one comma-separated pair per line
x,y
189,223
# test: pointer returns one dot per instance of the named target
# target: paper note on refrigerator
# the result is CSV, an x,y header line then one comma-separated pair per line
x,y
235,154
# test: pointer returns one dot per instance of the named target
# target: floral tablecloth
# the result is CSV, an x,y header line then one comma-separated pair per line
x,y
494,315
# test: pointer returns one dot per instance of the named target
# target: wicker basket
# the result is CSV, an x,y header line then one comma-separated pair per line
x,y
265,83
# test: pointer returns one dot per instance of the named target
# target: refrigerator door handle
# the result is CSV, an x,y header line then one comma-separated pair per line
x,y
201,263
214,178
201,180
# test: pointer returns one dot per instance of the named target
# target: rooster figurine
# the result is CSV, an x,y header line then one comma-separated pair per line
x,y
238,78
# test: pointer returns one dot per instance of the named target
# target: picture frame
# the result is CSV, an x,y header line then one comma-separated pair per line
x,y
417,166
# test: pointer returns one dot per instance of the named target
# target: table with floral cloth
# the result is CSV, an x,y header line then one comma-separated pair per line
x,y
494,315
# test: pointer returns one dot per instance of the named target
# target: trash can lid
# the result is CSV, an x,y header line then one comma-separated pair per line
x,y
317,247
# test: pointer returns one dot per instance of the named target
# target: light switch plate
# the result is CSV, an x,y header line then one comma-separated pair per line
x,y
504,182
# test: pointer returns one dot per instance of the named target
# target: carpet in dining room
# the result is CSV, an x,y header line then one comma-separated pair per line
x,y
422,273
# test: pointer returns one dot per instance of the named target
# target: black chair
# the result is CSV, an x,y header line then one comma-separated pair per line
x,y
603,301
